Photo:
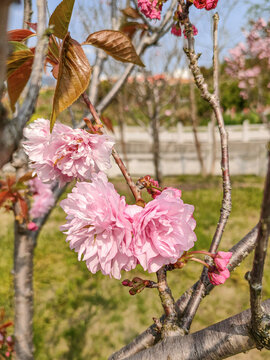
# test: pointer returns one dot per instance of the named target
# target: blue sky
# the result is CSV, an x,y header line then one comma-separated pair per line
x,y
233,17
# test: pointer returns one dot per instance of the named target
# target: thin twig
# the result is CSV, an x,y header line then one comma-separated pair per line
x,y
213,100
260,321
136,193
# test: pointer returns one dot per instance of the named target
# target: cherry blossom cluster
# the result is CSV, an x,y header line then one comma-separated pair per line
x,y
106,232
66,153
113,236
205,4
151,8
257,46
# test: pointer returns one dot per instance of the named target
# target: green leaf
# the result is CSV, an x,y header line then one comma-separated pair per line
x,y
16,46
116,44
60,18
73,76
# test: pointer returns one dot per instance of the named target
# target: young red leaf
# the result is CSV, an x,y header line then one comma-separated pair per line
x,y
4,195
32,25
132,13
18,57
116,44
24,208
73,76
108,123
19,34
19,67
60,18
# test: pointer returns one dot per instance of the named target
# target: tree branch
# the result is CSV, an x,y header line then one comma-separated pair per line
x,y
170,324
27,13
11,131
260,320
219,341
151,335
136,193
213,100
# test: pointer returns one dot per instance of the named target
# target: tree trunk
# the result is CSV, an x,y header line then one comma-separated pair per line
x,y
194,121
23,288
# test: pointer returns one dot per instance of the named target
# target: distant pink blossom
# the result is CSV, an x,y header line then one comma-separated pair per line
x,y
150,8
221,260
66,153
218,277
163,230
99,226
42,196
176,30
32,226
205,4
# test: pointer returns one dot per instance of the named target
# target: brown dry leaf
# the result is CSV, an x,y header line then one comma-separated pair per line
x,y
73,76
130,28
116,44
60,18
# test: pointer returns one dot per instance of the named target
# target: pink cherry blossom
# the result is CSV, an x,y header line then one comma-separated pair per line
x,y
176,30
218,277
99,226
66,153
42,196
205,4
257,47
163,230
150,8
221,260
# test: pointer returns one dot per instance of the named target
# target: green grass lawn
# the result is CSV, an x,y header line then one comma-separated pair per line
x,y
82,316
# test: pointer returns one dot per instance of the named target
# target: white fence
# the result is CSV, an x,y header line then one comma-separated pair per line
x,y
247,145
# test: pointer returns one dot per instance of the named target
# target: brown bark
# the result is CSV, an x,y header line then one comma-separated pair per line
x,y
23,288
27,13
219,341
